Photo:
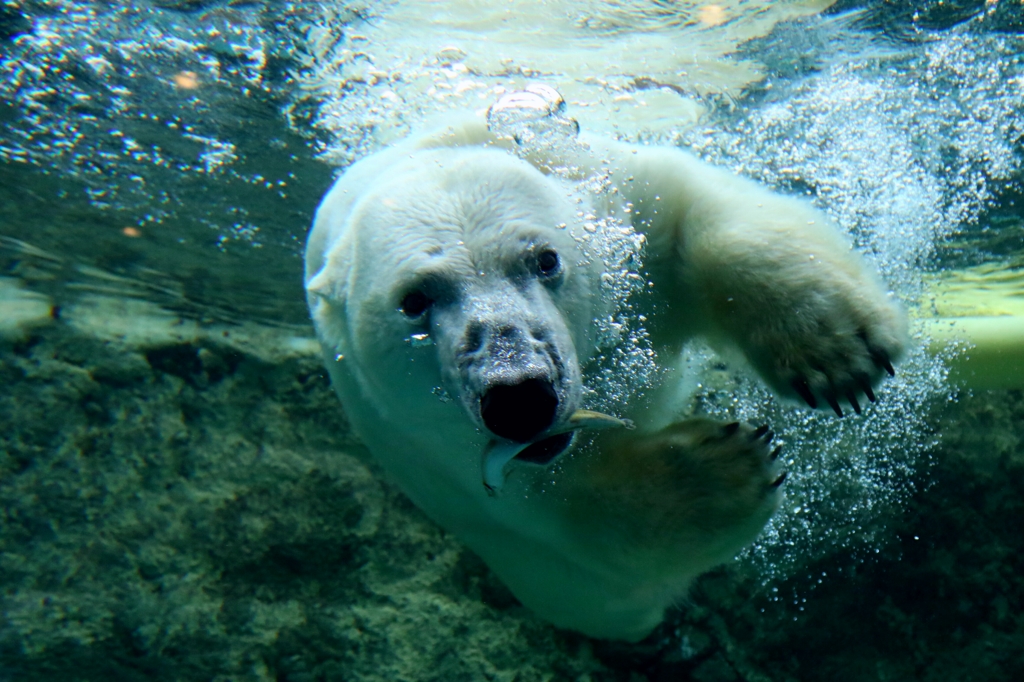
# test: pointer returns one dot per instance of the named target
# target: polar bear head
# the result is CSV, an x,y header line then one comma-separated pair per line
x,y
454,272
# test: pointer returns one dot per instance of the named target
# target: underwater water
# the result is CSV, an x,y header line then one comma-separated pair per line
x,y
181,495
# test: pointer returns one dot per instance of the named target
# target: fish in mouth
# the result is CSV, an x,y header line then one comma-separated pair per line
x,y
542,451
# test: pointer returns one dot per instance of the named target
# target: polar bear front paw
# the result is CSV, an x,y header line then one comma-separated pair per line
x,y
702,487
722,470
833,346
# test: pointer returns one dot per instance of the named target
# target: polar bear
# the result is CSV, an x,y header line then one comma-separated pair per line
x,y
455,299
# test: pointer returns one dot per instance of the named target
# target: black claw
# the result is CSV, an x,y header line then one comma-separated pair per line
x,y
881,358
834,404
775,453
768,437
780,480
864,383
878,356
804,391
866,387
731,428
852,397
760,431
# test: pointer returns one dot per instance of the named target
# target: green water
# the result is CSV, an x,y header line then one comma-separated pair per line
x,y
181,496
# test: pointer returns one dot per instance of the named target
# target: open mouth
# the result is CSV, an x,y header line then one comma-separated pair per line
x,y
519,412
498,453
540,453
544,451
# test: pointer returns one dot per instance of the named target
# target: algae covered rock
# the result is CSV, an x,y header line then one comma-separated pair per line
x,y
187,503
185,509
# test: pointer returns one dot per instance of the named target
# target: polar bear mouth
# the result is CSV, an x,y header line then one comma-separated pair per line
x,y
546,450
498,454
519,412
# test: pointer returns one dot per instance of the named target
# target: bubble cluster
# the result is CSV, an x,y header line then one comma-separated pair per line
x,y
143,108
624,365
902,150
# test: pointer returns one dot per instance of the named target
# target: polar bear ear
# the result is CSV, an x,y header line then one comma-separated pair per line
x,y
324,286
327,307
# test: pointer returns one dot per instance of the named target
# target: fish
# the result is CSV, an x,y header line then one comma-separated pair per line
x,y
499,453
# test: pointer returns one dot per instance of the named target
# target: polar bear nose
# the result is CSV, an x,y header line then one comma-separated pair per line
x,y
519,412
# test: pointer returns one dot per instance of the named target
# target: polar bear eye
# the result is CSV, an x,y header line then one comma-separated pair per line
x,y
548,262
415,304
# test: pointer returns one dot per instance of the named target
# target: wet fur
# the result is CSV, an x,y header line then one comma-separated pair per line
x,y
604,544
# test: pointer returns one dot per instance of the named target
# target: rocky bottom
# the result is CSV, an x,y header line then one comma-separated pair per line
x,y
186,502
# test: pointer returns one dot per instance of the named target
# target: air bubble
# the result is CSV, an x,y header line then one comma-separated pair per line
x,y
442,395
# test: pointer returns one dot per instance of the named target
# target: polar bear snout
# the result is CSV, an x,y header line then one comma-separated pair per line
x,y
517,377
505,347
519,412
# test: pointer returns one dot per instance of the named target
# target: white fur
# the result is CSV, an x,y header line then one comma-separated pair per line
x,y
629,519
